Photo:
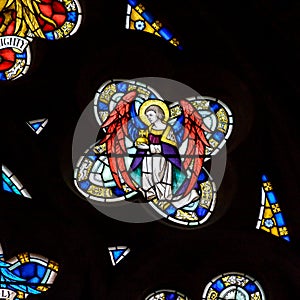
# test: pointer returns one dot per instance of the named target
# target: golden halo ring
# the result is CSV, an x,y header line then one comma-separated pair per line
x,y
159,103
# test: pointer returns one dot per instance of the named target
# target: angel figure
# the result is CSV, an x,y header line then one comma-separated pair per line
x,y
157,168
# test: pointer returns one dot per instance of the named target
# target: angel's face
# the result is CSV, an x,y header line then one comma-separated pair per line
x,y
151,116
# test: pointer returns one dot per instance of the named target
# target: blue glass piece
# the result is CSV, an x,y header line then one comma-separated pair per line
x,y
201,211
218,285
271,197
152,96
6,179
264,178
170,210
117,253
279,219
191,206
27,270
2,76
170,296
214,106
6,187
92,157
165,33
287,238
84,185
148,17
40,270
102,106
122,87
72,16
133,2
49,36
251,287
202,176
36,126
219,136
118,192
21,55
34,280
16,272
16,191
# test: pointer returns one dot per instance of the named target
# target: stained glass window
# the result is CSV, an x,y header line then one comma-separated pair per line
x,y
26,274
123,164
166,294
270,216
10,183
22,21
118,253
233,285
37,125
139,18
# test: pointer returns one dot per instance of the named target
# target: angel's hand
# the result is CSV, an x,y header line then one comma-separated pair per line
x,y
142,146
154,149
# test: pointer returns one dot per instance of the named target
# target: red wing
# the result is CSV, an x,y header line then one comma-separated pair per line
x,y
116,130
196,141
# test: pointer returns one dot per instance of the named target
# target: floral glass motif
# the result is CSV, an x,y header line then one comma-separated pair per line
x,y
166,295
138,18
154,149
25,274
23,20
233,285
270,216
10,183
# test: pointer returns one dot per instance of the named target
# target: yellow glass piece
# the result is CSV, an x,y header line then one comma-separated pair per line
x,y
99,191
174,42
157,25
23,257
53,265
186,215
42,288
141,140
283,231
268,213
135,16
267,186
150,29
276,208
255,296
225,280
274,230
107,93
20,295
140,8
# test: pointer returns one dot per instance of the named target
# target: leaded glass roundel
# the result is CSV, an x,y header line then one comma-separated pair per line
x,y
153,147
233,285
166,295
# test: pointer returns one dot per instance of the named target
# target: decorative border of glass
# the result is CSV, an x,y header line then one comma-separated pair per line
x,y
138,18
47,19
233,285
26,274
10,183
270,217
166,294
